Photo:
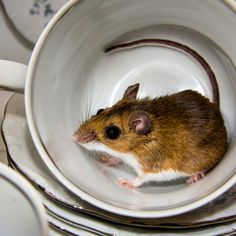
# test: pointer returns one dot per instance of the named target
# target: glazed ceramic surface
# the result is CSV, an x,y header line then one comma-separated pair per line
x,y
19,197
30,17
71,76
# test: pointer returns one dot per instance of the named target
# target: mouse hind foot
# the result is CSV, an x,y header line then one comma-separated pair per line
x,y
195,178
132,184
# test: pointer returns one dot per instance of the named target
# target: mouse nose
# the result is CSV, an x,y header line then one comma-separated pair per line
x,y
83,136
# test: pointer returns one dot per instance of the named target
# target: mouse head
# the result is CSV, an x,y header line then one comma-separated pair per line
x,y
120,128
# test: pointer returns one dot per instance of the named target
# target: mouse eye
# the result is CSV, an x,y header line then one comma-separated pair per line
x,y
99,111
112,132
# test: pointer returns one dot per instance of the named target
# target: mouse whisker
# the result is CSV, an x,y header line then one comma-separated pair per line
x,y
94,99
87,102
78,114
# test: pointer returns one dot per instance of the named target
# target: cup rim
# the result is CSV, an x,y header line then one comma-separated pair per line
x,y
30,193
59,175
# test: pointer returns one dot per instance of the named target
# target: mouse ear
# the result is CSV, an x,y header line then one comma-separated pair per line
x,y
140,122
131,92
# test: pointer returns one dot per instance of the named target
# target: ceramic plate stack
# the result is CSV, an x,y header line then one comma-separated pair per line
x,y
69,214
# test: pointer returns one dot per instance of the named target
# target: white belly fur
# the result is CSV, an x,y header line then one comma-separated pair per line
x,y
131,161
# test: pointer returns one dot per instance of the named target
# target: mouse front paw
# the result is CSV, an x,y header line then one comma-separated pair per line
x,y
108,160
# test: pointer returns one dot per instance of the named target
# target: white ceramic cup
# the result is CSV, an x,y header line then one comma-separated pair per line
x,y
22,212
70,74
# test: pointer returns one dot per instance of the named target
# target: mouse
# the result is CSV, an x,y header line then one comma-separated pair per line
x,y
179,135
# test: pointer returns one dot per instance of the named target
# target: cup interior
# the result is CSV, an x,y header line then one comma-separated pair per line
x,y
74,76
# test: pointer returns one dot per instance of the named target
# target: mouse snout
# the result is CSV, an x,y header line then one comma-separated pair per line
x,y
83,136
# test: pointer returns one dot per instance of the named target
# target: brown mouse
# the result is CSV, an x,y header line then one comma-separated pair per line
x,y
178,135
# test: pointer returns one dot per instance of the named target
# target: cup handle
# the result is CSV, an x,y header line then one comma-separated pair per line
x,y
12,75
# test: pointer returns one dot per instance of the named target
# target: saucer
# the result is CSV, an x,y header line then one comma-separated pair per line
x,y
69,221
30,17
73,222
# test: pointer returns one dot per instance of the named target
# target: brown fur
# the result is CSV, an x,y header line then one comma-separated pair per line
x,y
187,132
